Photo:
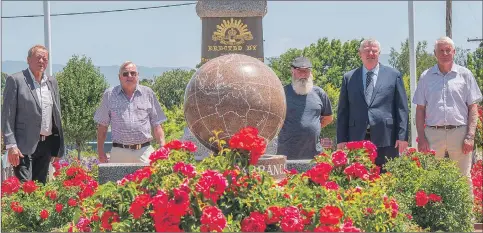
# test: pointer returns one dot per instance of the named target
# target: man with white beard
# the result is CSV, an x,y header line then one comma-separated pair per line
x,y
308,111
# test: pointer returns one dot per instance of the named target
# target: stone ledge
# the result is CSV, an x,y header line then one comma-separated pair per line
x,y
116,171
299,165
231,8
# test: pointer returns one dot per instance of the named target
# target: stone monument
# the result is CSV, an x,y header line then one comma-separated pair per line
x,y
231,92
231,26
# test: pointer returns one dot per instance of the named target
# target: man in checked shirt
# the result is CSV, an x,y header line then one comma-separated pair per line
x,y
132,110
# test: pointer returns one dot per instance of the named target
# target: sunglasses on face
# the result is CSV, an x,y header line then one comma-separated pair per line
x,y
126,74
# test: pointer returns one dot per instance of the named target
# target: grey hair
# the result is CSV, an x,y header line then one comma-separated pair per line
x,y
126,63
370,41
443,40
35,48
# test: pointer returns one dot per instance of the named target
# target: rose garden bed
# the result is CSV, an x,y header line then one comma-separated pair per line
x,y
343,192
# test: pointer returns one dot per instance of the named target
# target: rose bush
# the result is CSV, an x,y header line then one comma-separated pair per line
x,y
477,183
432,190
343,192
31,206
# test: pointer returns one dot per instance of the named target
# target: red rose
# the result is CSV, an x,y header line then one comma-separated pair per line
x,y
348,227
327,229
435,198
421,198
10,186
292,223
255,222
273,215
190,146
319,173
174,145
44,214
58,207
212,219
29,186
108,218
72,202
330,215
161,154
180,202
139,204
83,225
355,145
339,158
16,207
212,185
331,185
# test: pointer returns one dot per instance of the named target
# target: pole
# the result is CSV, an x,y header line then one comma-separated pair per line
x,y
412,72
449,11
47,35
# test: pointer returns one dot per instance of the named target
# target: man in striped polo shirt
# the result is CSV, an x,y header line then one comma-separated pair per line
x,y
131,110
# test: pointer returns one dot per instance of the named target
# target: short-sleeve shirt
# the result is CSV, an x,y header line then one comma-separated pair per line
x,y
299,137
131,120
447,97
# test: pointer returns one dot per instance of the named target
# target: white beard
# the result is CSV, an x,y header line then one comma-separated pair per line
x,y
302,86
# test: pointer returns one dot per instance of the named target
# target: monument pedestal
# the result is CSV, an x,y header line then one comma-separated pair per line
x,y
273,165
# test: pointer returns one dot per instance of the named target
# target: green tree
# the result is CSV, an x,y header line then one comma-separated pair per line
x,y
475,64
81,87
170,87
4,78
147,82
400,60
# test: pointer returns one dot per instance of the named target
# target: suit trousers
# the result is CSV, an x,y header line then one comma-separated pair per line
x,y
36,166
384,154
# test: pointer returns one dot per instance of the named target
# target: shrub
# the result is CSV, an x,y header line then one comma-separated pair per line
x,y
477,183
432,190
31,206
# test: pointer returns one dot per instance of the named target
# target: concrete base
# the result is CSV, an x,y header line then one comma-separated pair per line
x,y
116,171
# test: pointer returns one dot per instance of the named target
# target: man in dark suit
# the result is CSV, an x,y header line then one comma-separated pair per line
x,y
373,105
31,120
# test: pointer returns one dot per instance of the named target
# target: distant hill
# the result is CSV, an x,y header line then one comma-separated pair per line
x,y
109,72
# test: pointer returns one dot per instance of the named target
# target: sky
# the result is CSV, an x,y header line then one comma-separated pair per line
x,y
171,37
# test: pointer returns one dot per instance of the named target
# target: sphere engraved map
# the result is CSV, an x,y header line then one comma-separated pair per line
x,y
231,92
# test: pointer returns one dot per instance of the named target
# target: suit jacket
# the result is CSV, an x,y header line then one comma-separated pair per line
x,y
387,112
22,115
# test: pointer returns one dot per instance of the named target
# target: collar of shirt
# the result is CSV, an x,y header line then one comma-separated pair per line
x,y
121,91
375,70
435,70
43,80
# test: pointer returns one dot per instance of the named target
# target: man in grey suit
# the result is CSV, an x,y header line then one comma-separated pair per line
x,y
31,120
373,105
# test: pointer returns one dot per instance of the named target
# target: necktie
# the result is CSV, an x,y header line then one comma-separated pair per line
x,y
369,87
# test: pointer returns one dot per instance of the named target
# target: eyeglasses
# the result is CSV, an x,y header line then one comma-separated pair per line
x,y
133,74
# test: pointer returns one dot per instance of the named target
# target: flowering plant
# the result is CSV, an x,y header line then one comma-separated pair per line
x,y
31,206
227,193
432,190
477,183
343,192
479,129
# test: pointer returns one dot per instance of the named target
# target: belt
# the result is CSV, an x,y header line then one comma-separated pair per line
x,y
132,147
43,138
445,126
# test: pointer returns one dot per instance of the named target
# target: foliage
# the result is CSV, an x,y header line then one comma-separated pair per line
x,y
475,64
31,207
477,183
400,60
433,190
479,128
81,87
146,82
330,60
4,78
170,87
174,126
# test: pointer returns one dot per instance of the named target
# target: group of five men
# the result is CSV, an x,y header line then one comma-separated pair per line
x,y
373,105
